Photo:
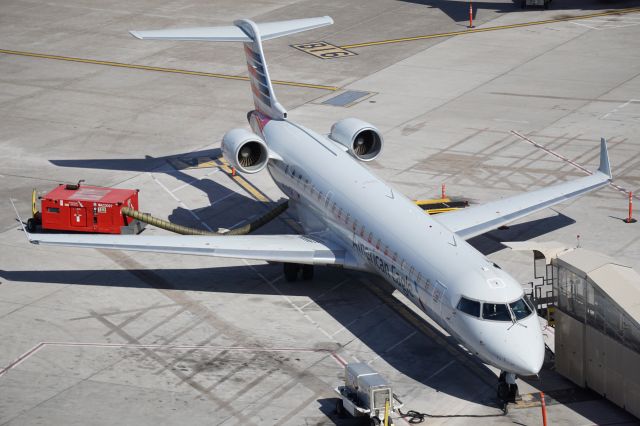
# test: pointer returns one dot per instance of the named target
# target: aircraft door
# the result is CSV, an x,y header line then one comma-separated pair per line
x,y
439,292
327,199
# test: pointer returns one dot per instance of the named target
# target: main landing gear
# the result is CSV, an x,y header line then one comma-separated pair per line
x,y
507,387
293,271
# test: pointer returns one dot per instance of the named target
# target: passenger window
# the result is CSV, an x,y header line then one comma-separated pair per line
x,y
495,312
520,309
470,307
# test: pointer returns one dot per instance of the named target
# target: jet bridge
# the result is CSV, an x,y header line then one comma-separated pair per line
x,y
597,319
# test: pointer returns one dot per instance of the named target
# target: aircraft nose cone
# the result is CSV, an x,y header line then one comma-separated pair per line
x,y
528,362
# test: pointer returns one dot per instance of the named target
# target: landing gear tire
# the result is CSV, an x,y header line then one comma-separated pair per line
x,y
291,271
375,421
503,391
507,388
339,408
307,272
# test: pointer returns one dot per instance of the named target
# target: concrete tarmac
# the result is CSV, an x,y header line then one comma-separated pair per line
x,y
99,337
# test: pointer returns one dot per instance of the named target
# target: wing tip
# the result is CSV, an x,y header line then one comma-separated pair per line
x,y
605,166
136,34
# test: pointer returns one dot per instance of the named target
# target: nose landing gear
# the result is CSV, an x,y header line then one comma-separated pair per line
x,y
507,388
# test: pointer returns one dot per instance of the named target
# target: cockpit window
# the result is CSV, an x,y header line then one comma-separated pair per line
x,y
520,309
470,307
495,312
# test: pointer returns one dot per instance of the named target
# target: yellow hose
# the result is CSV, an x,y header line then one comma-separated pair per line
x,y
185,230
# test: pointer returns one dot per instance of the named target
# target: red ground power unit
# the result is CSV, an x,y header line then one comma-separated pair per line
x,y
86,208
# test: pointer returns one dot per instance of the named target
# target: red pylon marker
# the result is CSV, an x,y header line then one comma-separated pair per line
x,y
233,171
544,409
443,192
470,14
630,219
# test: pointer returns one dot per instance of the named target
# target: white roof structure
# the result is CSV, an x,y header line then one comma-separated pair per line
x,y
619,281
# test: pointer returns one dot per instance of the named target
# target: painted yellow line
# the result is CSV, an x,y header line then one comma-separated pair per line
x,y
224,166
160,69
496,28
255,192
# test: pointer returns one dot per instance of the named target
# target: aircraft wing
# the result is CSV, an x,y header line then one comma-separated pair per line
x,y
477,220
272,248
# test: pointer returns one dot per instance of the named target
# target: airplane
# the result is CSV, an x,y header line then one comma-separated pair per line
x,y
354,220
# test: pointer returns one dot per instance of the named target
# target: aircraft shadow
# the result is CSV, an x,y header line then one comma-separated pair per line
x,y
345,308
491,242
222,199
222,211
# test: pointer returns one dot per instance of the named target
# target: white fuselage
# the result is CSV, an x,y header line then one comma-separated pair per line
x,y
336,196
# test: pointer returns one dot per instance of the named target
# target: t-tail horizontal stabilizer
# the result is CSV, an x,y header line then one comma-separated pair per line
x,y
251,34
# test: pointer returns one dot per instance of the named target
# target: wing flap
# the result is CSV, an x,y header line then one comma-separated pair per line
x,y
477,220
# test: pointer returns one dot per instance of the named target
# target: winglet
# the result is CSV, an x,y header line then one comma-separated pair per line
x,y
21,222
604,159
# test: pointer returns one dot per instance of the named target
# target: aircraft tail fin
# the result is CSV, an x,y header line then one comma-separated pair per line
x,y
252,35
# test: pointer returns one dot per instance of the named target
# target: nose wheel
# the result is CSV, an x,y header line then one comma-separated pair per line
x,y
507,387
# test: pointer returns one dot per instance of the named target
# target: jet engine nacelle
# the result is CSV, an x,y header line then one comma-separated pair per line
x,y
245,151
362,139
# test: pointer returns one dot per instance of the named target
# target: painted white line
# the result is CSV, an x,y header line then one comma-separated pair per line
x,y
325,293
392,347
184,185
307,317
606,24
341,329
573,163
585,25
440,370
28,354
616,109
248,219
231,194
180,202
161,185
506,120
285,297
